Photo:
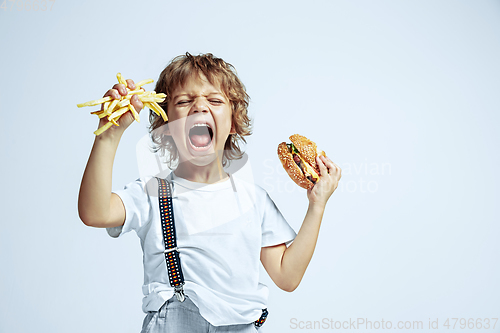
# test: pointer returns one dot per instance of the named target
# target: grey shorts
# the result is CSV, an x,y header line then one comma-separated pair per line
x,y
177,317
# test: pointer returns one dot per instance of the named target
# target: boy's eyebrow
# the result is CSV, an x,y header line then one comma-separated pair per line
x,y
191,95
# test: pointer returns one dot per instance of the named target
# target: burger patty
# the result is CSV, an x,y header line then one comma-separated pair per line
x,y
299,163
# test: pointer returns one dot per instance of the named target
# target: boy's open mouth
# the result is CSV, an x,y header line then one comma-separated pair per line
x,y
200,135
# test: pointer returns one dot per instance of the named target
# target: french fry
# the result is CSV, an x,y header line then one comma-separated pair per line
x,y
149,106
146,93
124,102
117,113
136,91
113,105
121,79
113,109
105,106
94,102
162,112
151,98
157,109
103,128
147,99
143,82
134,113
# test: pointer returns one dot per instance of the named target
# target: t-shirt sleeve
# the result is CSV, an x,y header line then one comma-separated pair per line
x,y
137,203
275,229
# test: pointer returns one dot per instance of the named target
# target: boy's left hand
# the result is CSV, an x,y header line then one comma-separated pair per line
x,y
329,177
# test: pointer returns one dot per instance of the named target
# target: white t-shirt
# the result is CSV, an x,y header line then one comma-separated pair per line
x,y
220,231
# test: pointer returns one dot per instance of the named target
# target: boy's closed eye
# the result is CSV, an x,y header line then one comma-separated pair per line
x,y
212,101
216,101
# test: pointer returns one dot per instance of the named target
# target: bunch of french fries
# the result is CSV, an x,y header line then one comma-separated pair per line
x,y
113,109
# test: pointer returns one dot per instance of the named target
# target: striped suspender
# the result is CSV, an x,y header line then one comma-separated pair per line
x,y
171,251
168,228
259,322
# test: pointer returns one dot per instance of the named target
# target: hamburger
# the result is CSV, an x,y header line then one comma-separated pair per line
x,y
299,160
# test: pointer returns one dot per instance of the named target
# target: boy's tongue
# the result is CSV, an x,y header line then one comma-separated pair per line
x,y
200,140
200,136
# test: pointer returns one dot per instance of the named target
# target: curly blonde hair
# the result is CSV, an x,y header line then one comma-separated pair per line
x,y
217,71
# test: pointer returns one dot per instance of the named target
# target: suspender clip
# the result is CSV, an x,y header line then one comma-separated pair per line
x,y
172,249
179,293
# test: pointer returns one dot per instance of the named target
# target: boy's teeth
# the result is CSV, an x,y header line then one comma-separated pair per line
x,y
195,125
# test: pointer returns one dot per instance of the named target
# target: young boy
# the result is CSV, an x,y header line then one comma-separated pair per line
x,y
223,224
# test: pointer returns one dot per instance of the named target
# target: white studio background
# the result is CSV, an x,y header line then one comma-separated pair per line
x,y
403,95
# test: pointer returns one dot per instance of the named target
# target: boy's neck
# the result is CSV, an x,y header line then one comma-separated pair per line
x,y
208,174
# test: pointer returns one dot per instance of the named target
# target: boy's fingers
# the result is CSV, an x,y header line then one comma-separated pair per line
x,y
130,84
338,168
322,168
113,93
332,166
121,89
136,102
328,162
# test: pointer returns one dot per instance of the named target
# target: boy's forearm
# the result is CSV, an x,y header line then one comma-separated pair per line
x,y
95,190
297,256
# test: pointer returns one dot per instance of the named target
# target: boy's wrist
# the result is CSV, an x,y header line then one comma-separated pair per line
x,y
317,206
112,137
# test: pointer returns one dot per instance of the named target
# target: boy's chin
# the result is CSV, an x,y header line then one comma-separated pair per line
x,y
200,160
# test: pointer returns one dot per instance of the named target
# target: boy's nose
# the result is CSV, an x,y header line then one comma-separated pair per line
x,y
200,106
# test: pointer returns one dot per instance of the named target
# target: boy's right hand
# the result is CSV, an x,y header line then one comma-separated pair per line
x,y
97,205
126,119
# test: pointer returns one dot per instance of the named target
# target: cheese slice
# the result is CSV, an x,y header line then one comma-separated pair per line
x,y
308,169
